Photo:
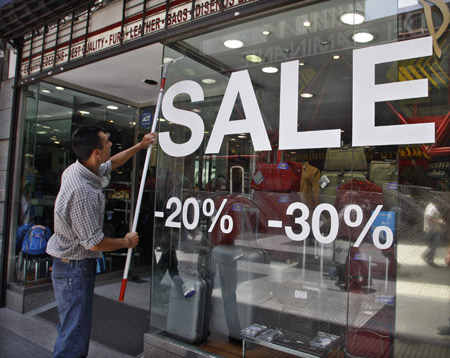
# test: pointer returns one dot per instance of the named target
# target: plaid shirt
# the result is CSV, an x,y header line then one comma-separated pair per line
x,y
79,211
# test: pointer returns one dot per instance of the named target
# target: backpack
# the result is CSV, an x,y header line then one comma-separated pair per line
x,y
35,240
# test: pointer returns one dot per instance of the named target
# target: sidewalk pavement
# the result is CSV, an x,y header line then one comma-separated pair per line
x,y
28,335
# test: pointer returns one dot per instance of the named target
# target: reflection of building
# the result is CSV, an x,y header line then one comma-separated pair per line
x,y
90,66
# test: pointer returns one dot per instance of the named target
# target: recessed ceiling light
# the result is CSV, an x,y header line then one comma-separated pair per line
x,y
189,72
84,112
233,43
269,69
336,57
112,107
306,95
363,37
266,32
254,58
306,23
352,18
208,81
46,91
59,88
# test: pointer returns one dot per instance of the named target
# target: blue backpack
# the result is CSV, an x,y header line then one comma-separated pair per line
x,y
32,239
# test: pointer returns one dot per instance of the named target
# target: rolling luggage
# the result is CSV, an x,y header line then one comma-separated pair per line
x,y
278,177
188,319
238,264
340,167
383,172
357,192
345,159
331,181
374,338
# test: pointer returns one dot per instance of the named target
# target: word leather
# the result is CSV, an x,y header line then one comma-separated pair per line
x,y
365,94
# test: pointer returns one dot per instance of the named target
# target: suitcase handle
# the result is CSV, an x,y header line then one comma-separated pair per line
x,y
231,177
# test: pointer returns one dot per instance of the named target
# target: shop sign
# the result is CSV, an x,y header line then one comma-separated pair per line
x,y
180,13
146,119
439,170
379,224
365,94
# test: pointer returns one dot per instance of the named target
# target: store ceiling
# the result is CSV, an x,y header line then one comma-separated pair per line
x,y
120,77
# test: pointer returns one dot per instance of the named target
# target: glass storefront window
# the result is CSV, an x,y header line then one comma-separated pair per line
x,y
314,249
51,114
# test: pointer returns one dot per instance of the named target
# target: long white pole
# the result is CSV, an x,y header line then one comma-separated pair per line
x,y
143,179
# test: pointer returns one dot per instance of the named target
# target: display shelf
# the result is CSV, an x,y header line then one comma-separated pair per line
x,y
304,348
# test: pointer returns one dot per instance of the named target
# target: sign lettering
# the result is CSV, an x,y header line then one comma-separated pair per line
x,y
365,94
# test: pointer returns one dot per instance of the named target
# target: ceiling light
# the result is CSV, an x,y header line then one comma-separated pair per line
x,y
269,69
167,59
42,132
336,57
286,50
59,88
254,58
46,91
301,63
363,37
233,43
57,142
266,32
306,23
196,110
112,107
324,42
84,112
189,72
208,81
352,18
306,95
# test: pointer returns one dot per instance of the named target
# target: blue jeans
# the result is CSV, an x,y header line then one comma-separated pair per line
x,y
73,283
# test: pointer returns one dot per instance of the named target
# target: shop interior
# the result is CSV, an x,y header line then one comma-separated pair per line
x,y
298,284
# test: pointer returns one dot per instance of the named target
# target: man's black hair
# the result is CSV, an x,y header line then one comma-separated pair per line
x,y
85,140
